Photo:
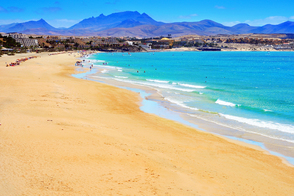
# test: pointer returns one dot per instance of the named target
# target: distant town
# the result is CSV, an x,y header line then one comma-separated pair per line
x,y
11,43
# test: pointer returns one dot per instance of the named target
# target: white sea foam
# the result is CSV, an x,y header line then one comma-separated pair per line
x,y
105,66
95,61
263,124
123,77
163,86
158,81
180,103
267,110
191,86
220,102
168,87
119,69
104,71
241,129
156,85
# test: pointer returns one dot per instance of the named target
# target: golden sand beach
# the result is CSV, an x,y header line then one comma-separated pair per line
x,y
60,135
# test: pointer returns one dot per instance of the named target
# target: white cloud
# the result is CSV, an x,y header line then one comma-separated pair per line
x,y
274,20
230,24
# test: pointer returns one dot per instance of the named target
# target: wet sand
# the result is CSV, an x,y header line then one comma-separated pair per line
x,y
60,135
167,110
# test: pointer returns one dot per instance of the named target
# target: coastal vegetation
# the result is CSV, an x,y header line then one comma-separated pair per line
x,y
8,42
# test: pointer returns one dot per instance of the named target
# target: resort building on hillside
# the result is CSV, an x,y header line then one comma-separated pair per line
x,y
147,46
17,35
130,43
4,34
24,40
27,42
105,41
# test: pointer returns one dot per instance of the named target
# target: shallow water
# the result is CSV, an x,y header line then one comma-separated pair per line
x,y
250,92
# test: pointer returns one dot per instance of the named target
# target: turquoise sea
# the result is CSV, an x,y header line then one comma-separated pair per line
x,y
250,93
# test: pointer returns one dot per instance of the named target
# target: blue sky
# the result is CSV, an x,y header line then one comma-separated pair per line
x,y
65,13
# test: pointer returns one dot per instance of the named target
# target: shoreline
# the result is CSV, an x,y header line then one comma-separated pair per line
x,y
183,49
65,136
281,148
152,95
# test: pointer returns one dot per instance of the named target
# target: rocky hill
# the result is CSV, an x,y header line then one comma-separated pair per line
x,y
141,25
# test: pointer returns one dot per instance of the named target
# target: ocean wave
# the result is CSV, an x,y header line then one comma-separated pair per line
x,y
105,67
191,86
180,103
241,129
267,110
156,85
104,71
259,110
119,69
165,86
158,81
123,77
220,102
95,61
263,124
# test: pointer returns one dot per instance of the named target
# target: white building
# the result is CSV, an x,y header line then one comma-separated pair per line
x,y
27,42
129,43
17,35
147,46
4,34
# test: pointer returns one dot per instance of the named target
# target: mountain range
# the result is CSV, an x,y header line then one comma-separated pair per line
x,y
134,24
